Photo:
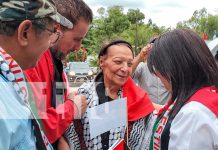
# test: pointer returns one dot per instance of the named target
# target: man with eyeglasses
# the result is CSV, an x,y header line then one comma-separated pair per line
x,y
61,107
25,27
54,33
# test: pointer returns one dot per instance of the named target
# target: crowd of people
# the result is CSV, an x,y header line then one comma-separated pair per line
x,y
174,105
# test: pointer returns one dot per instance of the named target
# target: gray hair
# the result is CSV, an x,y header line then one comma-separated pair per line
x,y
8,28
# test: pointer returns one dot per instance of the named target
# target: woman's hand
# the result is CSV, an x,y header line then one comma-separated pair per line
x,y
157,107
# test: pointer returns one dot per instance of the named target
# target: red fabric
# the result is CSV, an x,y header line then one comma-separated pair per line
x,y
77,55
165,107
207,96
84,53
120,146
60,118
138,102
205,36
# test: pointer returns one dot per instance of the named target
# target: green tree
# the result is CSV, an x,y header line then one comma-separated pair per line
x,y
72,56
116,22
113,23
201,21
135,16
101,11
212,26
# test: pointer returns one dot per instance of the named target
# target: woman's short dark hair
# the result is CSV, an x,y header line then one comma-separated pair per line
x,y
104,49
183,58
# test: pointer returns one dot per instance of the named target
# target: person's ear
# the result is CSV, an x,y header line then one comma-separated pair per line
x,y
101,61
24,32
58,27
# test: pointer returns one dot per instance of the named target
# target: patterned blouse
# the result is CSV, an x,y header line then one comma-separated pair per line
x,y
78,134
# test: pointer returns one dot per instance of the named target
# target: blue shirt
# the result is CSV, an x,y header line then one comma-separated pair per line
x,y
16,130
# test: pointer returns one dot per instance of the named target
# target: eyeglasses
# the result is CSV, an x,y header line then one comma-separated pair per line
x,y
54,36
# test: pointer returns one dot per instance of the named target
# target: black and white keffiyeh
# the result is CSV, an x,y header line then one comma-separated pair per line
x,y
136,137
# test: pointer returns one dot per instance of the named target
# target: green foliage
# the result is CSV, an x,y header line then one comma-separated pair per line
x,y
135,16
94,61
113,23
201,21
72,56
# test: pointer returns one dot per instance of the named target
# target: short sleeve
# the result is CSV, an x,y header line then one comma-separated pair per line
x,y
138,71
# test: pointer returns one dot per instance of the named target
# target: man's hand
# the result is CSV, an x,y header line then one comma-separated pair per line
x,y
80,104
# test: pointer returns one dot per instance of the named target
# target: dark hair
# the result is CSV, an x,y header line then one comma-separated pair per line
x,y
8,28
104,49
74,10
183,58
153,40
216,56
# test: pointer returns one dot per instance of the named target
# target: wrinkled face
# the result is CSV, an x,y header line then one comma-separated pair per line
x,y
40,43
165,82
117,65
71,39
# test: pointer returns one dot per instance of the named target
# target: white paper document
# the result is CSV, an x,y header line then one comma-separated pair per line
x,y
107,116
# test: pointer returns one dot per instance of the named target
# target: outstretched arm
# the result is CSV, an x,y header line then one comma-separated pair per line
x,y
141,56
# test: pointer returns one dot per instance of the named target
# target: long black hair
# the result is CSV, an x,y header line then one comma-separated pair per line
x,y
183,58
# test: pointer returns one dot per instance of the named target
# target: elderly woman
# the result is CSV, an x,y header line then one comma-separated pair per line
x,y
112,83
186,67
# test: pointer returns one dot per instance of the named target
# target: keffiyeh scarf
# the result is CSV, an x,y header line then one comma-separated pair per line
x,y
159,126
136,137
12,72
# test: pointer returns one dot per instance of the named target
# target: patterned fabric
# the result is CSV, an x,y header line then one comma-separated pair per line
x,y
20,87
159,126
135,138
11,10
148,131
14,74
72,138
199,120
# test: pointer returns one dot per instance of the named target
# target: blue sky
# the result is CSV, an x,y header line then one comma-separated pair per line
x,y
162,12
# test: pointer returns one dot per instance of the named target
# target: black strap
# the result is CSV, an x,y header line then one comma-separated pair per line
x,y
58,69
53,100
103,98
100,89
39,140
2,75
